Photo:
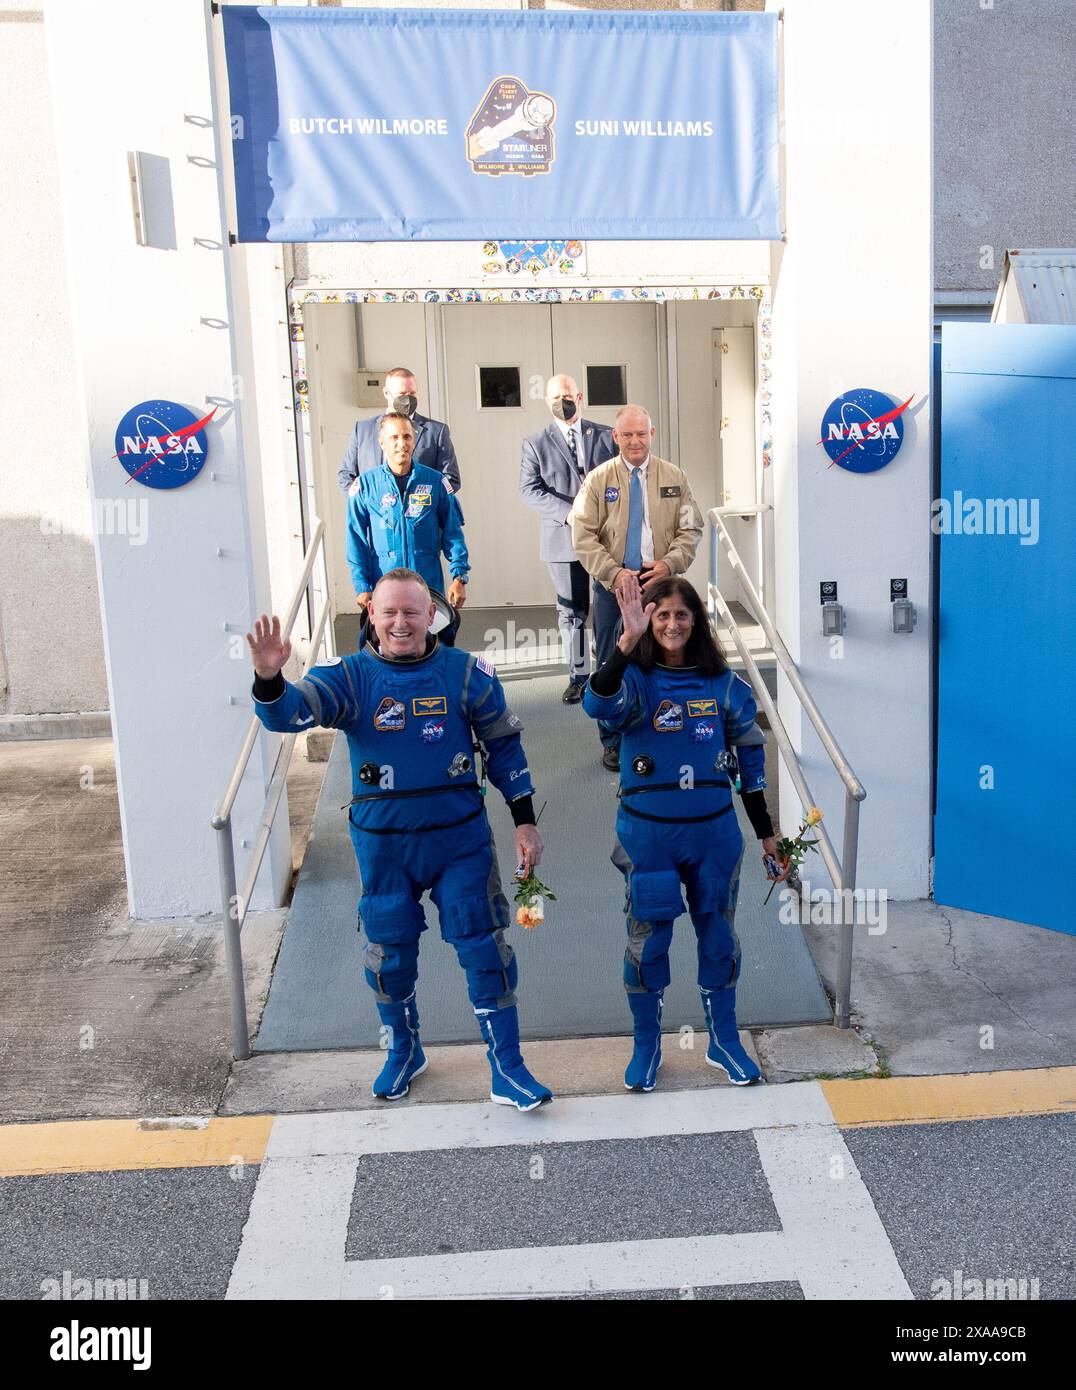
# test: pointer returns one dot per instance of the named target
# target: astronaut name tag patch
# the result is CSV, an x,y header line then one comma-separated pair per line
x,y
703,733
612,494
669,717
432,731
698,708
389,716
670,492
429,704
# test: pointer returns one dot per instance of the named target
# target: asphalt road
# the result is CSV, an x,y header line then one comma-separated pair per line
x,y
693,1194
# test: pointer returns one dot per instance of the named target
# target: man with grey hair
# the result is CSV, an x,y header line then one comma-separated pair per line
x,y
555,461
633,516
421,719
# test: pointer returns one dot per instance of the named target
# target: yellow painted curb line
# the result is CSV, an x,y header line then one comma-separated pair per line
x,y
910,1100
93,1146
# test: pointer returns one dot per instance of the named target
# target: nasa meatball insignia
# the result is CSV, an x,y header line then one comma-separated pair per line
x,y
862,430
162,444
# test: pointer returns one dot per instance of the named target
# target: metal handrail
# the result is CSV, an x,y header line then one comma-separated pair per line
x,y
234,905
843,871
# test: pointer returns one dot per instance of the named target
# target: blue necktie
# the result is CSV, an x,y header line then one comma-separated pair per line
x,y
633,545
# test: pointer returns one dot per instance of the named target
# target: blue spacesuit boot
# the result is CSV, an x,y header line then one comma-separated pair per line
x,y
646,1058
405,1059
725,1049
512,1083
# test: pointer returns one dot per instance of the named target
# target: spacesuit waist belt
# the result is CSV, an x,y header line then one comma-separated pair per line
x,y
418,829
415,791
675,820
671,786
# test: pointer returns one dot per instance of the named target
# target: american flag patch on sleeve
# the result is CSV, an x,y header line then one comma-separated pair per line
x,y
484,664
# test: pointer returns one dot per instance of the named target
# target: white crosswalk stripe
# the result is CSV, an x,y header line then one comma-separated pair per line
x,y
831,1242
624,1266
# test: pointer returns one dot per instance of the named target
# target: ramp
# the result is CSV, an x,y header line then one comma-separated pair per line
x,y
570,967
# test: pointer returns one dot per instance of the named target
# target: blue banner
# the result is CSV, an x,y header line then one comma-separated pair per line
x,y
454,125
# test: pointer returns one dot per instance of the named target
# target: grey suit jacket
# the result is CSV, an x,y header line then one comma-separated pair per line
x,y
549,481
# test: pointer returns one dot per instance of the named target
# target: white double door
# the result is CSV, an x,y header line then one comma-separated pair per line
x,y
506,353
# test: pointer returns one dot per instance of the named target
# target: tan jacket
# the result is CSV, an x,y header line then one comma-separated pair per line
x,y
599,518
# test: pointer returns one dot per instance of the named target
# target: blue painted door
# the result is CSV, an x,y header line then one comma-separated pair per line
x,y
1007,623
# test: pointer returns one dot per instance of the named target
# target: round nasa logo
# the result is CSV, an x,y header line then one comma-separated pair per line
x,y
703,733
862,430
162,444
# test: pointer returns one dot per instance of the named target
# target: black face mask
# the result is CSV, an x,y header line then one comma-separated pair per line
x,y
405,405
564,408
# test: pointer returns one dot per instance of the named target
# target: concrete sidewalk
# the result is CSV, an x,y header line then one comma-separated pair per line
x,y
102,1016
945,991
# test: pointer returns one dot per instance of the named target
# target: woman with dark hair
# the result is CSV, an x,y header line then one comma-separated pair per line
x,y
686,723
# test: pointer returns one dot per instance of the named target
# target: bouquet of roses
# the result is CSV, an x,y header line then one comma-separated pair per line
x,y
794,852
530,909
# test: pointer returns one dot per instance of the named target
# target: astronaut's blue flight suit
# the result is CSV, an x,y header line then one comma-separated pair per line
x,y
682,735
418,822
387,531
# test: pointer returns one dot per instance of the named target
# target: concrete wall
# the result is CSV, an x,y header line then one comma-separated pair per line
x,y
51,657
169,319
263,271
852,307
1004,134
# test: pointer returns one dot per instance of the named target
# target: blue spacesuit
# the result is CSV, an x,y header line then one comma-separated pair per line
x,y
418,822
387,529
682,736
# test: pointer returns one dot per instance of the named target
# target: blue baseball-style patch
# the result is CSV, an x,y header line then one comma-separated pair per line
x,y
432,731
612,494
669,717
389,716
703,733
